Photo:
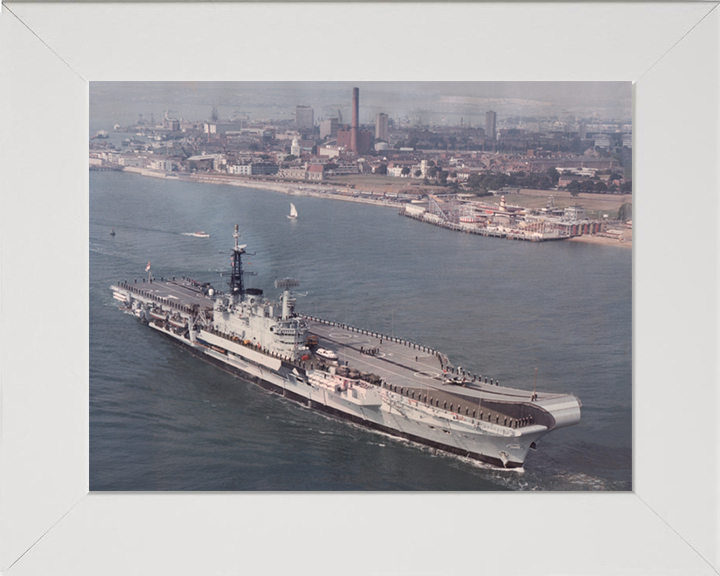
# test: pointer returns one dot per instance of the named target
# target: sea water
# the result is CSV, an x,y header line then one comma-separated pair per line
x,y
162,419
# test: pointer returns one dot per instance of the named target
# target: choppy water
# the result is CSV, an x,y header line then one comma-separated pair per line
x,y
161,419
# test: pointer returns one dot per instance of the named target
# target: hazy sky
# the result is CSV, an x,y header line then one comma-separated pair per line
x,y
426,102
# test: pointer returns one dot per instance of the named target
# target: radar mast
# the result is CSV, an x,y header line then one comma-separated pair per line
x,y
237,287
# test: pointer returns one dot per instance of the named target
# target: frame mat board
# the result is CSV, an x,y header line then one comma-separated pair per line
x,y
49,522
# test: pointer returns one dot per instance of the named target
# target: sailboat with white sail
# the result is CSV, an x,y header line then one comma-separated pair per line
x,y
293,212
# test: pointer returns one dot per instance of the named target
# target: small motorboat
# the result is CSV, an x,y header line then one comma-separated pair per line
x,y
326,354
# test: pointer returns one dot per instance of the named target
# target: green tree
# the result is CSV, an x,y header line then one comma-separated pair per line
x,y
474,181
625,212
553,174
405,171
382,169
418,173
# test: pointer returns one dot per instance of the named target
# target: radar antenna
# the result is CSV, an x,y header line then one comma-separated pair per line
x,y
287,283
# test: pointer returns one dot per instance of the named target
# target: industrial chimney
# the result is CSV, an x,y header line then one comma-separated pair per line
x,y
355,115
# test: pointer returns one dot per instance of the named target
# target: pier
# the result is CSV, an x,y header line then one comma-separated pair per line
x,y
459,227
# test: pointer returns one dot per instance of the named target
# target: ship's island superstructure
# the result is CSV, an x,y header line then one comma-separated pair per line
x,y
383,382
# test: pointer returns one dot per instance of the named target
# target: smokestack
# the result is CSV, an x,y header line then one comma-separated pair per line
x,y
355,115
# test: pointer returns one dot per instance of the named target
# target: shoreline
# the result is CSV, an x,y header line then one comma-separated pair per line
x,y
288,188
306,189
601,240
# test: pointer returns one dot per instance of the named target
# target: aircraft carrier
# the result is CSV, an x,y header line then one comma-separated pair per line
x,y
383,382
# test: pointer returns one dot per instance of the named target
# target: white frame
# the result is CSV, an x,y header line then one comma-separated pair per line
x,y
670,524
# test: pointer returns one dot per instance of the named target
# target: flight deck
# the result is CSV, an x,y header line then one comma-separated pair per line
x,y
422,373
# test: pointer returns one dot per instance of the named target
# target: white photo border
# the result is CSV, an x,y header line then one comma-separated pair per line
x,y
670,524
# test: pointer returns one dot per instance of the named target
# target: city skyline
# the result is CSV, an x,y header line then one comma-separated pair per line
x,y
280,130
432,103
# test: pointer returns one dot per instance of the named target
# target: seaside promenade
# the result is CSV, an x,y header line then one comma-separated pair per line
x,y
347,194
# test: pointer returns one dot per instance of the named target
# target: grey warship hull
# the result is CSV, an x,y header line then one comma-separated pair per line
x,y
384,383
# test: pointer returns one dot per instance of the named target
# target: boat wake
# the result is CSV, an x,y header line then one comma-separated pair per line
x,y
561,480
